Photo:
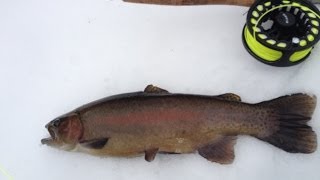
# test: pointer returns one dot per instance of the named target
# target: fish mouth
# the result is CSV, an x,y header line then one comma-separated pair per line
x,y
50,140
47,141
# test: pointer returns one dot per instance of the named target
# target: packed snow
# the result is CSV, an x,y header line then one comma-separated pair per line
x,y
58,55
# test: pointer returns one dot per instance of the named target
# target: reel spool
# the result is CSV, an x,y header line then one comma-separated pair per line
x,y
281,32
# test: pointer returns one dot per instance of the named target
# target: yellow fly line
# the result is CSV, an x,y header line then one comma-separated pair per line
x,y
259,49
267,53
7,175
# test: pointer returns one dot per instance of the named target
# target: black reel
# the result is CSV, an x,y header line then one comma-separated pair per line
x,y
281,32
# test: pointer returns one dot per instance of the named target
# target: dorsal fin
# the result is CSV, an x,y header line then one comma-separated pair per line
x,y
229,97
221,151
154,89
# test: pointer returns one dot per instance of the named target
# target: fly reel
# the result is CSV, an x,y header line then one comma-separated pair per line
x,y
281,32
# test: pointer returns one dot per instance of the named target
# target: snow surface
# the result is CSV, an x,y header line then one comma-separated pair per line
x,y
58,55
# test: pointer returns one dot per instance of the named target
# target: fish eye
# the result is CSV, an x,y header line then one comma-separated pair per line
x,y
56,123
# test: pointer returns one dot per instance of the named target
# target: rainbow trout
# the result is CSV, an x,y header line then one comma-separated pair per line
x,y
156,121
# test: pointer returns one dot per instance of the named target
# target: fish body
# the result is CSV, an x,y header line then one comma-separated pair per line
x,y
156,121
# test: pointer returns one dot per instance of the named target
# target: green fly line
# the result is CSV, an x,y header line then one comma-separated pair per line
x,y
4,172
268,53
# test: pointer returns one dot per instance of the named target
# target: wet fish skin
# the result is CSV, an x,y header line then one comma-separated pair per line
x,y
157,121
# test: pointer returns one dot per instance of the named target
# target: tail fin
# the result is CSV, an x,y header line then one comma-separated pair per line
x,y
293,134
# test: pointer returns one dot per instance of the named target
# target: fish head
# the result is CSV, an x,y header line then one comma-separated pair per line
x,y
65,131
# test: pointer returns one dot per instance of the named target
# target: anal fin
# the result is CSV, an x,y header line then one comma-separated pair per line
x,y
150,154
221,151
94,143
229,97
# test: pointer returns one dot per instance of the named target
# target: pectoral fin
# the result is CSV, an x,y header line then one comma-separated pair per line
x,y
221,151
150,154
94,143
230,97
154,89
